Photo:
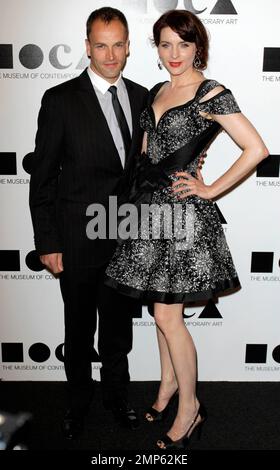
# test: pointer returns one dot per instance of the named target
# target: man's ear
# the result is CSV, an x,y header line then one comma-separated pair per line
x,y
127,48
87,47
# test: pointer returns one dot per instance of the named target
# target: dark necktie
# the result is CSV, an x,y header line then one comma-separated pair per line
x,y
121,119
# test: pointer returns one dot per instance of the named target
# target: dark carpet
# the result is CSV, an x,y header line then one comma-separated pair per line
x,y
241,416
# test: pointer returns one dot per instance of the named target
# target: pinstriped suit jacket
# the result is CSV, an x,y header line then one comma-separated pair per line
x,y
75,164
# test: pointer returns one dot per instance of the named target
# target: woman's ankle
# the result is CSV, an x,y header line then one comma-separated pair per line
x,y
167,388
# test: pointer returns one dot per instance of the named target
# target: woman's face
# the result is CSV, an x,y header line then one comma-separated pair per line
x,y
176,55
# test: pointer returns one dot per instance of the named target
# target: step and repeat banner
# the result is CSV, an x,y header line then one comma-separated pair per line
x,y
41,45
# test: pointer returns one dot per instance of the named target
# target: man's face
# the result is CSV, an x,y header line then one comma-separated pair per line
x,y
107,47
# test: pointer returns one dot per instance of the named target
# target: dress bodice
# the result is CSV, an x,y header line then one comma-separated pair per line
x,y
181,125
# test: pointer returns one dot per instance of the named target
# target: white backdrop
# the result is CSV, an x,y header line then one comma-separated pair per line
x,y
239,337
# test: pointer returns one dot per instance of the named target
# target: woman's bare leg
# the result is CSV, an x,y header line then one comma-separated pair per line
x,y
168,384
169,320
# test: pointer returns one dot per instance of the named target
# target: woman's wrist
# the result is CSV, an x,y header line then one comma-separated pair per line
x,y
212,191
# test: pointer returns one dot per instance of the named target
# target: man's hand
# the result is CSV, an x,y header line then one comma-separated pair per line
x,y
53,262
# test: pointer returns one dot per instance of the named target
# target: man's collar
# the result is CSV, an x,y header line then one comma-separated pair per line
x,y
100,83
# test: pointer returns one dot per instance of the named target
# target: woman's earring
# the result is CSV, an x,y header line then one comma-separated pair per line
x,y
159,64
196,62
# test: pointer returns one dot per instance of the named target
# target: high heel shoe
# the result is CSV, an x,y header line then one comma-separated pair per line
x,y
160,415
183,442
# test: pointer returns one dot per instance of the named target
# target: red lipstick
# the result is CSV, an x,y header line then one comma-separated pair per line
x,y
175,64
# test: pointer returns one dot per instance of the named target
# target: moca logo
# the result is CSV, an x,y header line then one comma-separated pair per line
x,y
209,311
271,59
257,354
262,262
10,261
269,167
38,352
31,56
221,7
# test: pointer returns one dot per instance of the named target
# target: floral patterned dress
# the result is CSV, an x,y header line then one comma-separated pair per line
x,y
166,262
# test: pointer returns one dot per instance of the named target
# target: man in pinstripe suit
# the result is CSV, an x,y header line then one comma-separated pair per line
x,y
81,158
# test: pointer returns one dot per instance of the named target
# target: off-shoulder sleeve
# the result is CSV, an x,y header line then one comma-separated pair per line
x,y
222,103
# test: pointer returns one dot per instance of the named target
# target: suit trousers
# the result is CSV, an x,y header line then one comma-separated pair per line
x,y
84,294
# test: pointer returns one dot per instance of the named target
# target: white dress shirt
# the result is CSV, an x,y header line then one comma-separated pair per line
x,y
104,96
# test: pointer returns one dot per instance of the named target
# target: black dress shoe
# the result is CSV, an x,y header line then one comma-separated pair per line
x,y
126,415
72,425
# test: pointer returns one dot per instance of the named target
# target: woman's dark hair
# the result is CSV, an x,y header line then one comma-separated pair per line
x,y
188,27
106,14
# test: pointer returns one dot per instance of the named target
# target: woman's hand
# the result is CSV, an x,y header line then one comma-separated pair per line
x,y
191,186
202,160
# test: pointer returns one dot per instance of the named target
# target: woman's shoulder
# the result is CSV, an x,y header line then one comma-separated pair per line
x,y
217,98
210,84
210,89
